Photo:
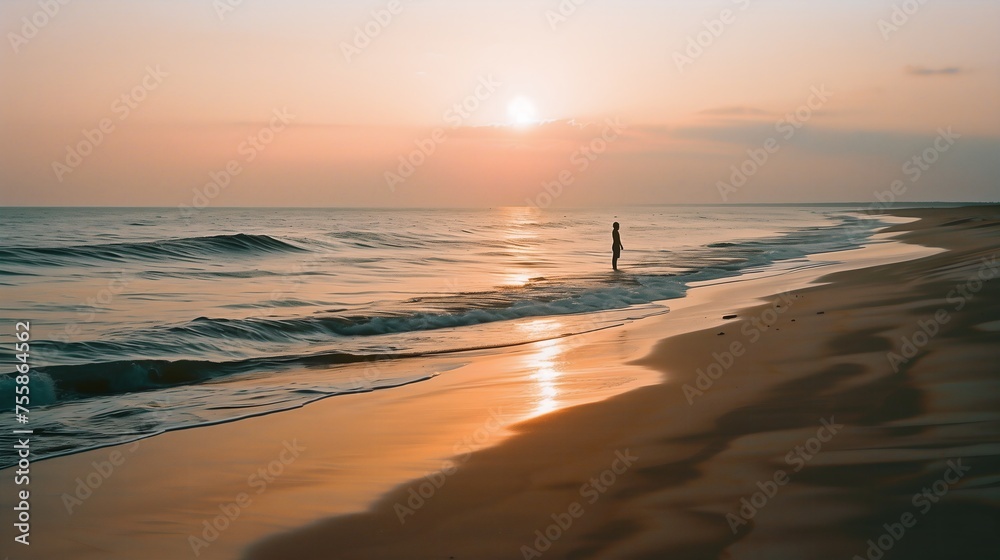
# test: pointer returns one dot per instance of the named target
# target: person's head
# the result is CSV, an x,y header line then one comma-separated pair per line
x,y
615,225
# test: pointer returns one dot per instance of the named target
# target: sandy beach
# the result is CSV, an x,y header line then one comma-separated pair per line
x,y
846,411
463,280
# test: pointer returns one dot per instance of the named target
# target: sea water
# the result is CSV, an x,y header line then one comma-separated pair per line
x,y
151,319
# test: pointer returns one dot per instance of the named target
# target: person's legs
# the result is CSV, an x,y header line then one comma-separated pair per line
x,y
614,260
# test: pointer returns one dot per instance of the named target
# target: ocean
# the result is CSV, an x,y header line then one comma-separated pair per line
x,y
145,320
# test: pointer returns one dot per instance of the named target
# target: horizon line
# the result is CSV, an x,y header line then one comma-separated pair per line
x,y
652,205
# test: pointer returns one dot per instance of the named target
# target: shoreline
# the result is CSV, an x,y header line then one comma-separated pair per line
x,y
815,421
142,373
480,397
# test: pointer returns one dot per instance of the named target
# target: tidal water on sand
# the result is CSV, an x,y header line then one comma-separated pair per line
x,y
146,320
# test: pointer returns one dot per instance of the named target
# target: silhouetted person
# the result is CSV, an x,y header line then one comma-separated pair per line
x,y
616,246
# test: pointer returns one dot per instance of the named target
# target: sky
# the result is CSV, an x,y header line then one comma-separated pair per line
x,y
551,103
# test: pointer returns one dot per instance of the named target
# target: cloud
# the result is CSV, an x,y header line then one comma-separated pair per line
x,y
924,71
978,151
735,111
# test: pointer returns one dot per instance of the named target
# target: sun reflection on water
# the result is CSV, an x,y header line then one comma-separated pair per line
x,y
521,242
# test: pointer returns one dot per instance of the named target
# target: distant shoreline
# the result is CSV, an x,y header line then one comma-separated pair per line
x,y
887,209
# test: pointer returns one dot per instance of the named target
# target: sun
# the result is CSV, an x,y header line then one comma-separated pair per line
x,y
521,112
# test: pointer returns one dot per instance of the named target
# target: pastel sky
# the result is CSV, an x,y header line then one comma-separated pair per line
x,y
497,102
